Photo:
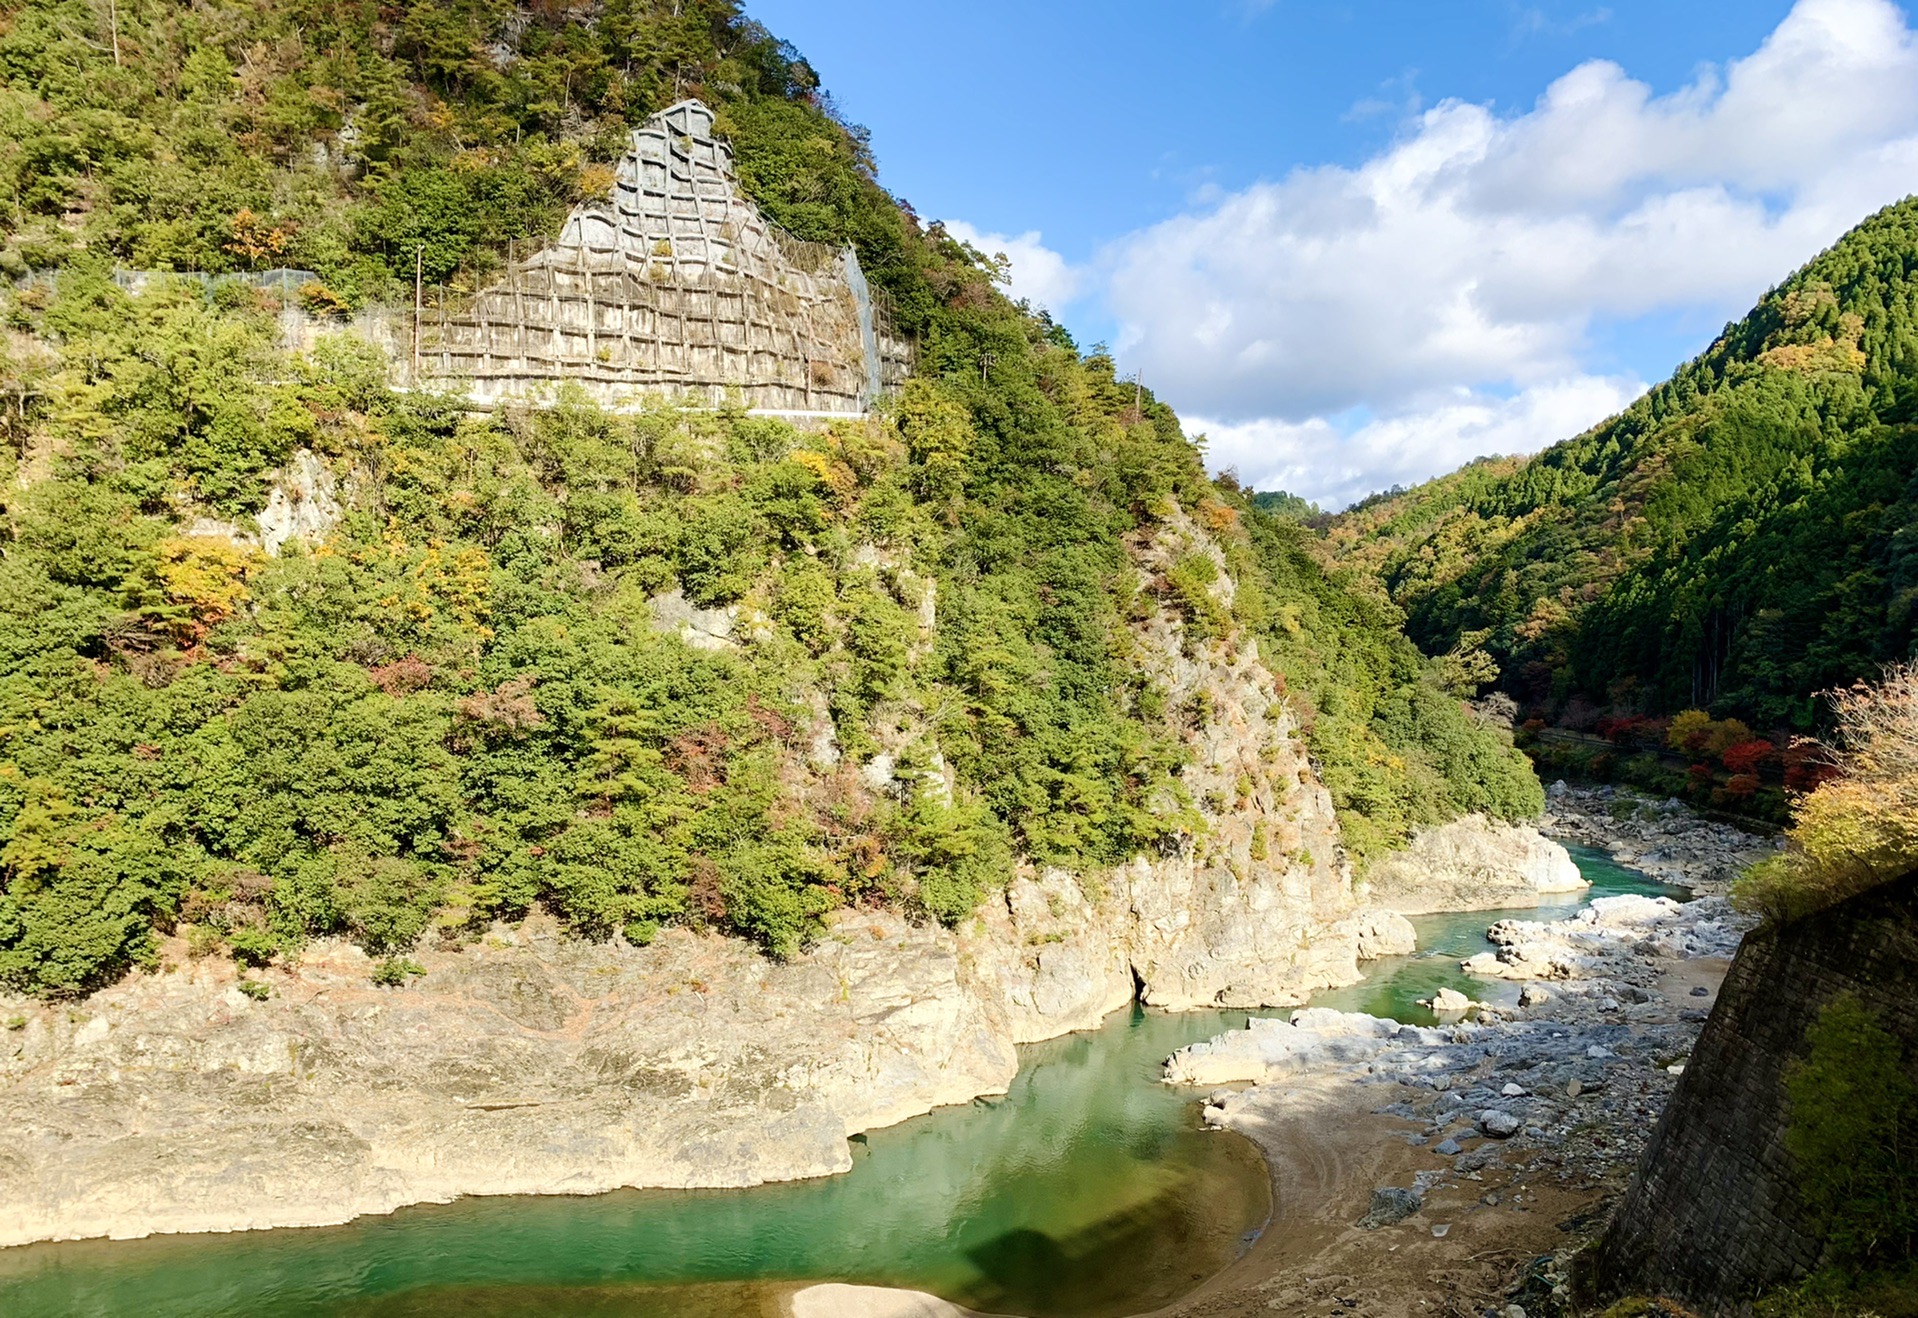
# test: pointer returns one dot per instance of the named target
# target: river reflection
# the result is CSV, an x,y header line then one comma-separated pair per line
x,y
1086,1190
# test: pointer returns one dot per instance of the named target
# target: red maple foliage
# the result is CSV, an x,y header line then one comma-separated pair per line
x,y
1747,756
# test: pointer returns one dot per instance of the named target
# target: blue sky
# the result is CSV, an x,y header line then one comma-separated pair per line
x,y
1356,243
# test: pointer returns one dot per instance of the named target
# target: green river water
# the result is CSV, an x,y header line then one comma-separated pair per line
x,y
1393,985
1087,1190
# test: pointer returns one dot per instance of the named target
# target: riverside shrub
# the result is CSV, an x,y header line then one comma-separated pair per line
x,y
1854,1134
1856,830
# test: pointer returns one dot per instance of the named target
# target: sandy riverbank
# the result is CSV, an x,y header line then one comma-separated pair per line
x,y
1474,1149
838,1300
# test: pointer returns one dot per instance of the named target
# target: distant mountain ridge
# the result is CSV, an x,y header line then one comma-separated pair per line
x,y
1740,538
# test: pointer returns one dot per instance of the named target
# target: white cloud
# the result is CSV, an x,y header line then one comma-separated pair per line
x,y
1447,286
1039,274
1335,465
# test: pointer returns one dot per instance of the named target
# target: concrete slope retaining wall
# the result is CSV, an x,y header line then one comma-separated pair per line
x,y
1713,1215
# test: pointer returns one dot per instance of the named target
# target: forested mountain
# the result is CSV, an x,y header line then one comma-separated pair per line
x,y
1742,537
458,704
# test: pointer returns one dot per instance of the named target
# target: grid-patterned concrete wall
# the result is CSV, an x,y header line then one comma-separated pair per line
x,y
676,283
1713,1216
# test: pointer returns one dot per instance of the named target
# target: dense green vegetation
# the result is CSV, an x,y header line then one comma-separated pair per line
x,y
1735,541
1279,503
463,703
1853,1136
1396,741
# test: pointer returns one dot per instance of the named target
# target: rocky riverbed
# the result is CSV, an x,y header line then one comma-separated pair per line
x,y
1499,1109
1662,838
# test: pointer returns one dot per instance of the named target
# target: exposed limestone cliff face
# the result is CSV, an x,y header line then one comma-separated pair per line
x,y
1473,864
1257,911
302,502
535,1064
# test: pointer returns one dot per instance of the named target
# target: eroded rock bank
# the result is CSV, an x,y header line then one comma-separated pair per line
x,y
1473,864
536,1063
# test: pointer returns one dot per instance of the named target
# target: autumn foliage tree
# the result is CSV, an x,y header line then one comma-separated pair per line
x,y
1860,828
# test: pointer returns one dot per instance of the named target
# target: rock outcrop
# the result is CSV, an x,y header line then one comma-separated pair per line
x,y
303,502
1258,911
1626,938
1714,1215
1473,864
538,1064
836,1299
1315,1037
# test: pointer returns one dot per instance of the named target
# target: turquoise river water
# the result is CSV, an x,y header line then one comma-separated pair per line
x,y
1087,1190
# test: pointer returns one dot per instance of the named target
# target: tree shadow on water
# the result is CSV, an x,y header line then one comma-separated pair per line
x,y
1117,1266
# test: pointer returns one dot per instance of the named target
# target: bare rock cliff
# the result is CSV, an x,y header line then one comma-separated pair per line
x,y
1473,864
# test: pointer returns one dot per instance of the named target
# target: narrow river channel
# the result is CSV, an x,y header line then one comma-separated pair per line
x,y
1087,1190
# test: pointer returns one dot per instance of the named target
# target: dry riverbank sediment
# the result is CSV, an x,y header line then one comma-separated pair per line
x,y
1417,1170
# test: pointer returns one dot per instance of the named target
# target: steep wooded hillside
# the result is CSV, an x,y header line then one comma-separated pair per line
x,y
1737,540
289,653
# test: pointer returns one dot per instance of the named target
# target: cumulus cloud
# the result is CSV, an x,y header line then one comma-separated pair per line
x,y
1447,287
1337,464
1039,274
